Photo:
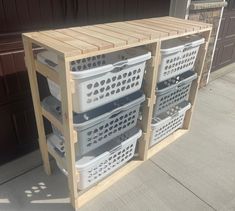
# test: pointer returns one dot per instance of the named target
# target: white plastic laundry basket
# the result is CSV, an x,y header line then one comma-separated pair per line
x,y
168,122
100,125
173,91
99,163
103,78
178,56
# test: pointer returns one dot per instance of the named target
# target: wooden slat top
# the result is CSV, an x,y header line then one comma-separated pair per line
x,y
86,40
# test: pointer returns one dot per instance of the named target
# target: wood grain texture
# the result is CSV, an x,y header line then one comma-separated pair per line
x,y
82,41
194,23
67,119
75,32
169,25
29,60
147,26
123,32
149,88
140,31
84,47
186,25
91,31
127,38
51,44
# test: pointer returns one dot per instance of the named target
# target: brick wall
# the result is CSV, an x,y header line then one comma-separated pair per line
x,y
209,12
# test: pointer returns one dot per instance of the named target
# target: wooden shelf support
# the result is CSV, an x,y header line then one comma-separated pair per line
x,y
199,65
150,93
67,119
47,71
29,61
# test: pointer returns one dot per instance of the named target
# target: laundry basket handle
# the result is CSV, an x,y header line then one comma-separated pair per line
x,y
180,84
116,114
188,45
115,149
167,89
187,80
50,63
117,66
175,114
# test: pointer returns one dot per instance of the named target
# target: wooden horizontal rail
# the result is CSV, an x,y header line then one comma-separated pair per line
x,y
52,119
51,74
57,123
47,72
60,160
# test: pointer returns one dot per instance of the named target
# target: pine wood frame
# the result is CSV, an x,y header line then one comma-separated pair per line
x,y
173,28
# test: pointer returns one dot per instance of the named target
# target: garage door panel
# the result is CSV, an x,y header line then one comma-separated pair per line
x,y
227,52
225,47
231,27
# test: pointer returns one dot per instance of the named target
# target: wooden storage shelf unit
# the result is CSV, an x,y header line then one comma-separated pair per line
x,y
81,42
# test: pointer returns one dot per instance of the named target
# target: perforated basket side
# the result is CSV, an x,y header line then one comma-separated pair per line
x,y
175,82
172,98
107,129
173,91
99,64
177,63
98,163
99,134
102,124
178,44
178,56
107,162
162,127
98,86
97,91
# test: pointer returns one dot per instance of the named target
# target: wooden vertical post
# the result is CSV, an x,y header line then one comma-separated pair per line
x,y
29,61
196,83
150,93
67,118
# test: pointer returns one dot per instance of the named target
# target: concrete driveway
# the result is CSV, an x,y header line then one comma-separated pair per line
x,y
195,173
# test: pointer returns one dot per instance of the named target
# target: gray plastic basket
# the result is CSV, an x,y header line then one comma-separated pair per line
x,y
99,163
168,122
100,125
178,55
173,91
101,79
